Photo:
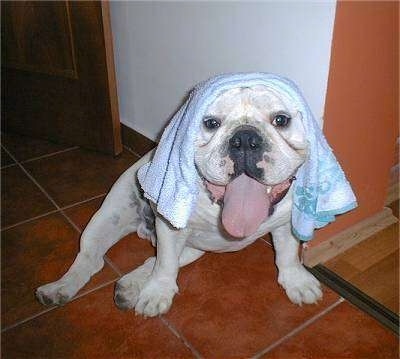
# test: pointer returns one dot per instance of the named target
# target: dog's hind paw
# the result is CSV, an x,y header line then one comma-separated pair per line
x,y
300,285
126,296
128,288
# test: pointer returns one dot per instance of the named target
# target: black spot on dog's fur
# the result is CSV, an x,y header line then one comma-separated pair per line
x,y
145,220
115,219
134,200
149,217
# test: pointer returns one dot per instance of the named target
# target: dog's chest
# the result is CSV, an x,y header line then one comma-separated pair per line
x,y
207,233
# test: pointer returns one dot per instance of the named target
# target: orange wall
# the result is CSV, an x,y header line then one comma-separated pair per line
x,y
361,111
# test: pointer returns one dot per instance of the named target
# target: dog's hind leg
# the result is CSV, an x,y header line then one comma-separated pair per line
x,y
119,215
128,288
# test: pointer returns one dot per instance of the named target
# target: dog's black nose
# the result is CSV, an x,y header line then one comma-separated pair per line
x,y
245,148
246,139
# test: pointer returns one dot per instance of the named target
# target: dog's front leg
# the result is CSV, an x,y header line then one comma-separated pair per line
x,y
300,285
156,296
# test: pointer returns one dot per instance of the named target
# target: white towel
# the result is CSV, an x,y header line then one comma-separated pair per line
x,y
170,180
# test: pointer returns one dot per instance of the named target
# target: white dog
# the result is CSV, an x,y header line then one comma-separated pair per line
x,y
247,153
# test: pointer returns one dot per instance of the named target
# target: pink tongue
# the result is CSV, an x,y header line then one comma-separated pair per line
x,y
246,205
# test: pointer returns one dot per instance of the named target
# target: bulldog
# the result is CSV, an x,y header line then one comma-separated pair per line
x,y
249,146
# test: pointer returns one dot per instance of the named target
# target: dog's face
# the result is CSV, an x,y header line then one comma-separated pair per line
x,y
250,130
250,144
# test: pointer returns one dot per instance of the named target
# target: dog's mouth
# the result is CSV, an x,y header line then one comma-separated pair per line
x,y
247,203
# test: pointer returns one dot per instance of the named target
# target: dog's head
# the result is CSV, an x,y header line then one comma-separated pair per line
x,y
249,147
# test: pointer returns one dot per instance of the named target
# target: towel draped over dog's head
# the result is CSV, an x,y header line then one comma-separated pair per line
x,y
171,181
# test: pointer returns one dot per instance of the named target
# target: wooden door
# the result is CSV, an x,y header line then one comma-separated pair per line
x,y
58,77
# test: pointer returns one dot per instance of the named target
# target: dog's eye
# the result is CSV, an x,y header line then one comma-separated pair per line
x,y
281,120
211,122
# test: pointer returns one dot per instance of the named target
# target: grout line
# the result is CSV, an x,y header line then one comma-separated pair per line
x,y
84,201
112,265
50,154
33,180
298,329
8,166
266,242
29,220
71,222
54,211
46,193
35,158
93,289
29,318
11,164
194,351
57,306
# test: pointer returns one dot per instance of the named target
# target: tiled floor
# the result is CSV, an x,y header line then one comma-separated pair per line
x,y
229,305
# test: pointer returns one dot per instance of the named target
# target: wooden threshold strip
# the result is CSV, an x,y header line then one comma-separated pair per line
x,y
348,238
355,296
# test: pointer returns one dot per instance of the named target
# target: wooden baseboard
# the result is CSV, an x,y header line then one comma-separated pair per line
x,y
137,142
348,238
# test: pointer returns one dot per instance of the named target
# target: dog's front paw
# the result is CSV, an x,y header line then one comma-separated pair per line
x,y
300,285
156,297
58,293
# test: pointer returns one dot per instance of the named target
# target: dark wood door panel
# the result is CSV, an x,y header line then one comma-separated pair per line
x,y
33,107
58,80
38,37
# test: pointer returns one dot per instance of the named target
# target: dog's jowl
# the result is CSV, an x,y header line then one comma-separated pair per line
x,y
243,157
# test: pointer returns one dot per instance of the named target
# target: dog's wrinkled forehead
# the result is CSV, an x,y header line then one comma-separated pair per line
x,y
250,101
257,106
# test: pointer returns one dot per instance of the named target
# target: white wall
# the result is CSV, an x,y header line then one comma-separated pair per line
x,y
163,48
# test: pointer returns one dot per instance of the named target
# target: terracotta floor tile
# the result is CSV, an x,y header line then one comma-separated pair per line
x,y
82,213
24,148
74,176
5,159
230,304
92,327
21,199
33,254
345,332
128,253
